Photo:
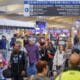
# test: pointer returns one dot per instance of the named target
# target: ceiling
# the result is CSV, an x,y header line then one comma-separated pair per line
x,y
14,10
8,2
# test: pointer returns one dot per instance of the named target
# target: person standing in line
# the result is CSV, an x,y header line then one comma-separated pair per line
x,y
17,62
59,59
25,41
13,40
76,40
51,52
33,54
43,52
3,44
47,52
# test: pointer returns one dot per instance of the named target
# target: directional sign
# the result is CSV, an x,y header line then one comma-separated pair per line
x,y
52,7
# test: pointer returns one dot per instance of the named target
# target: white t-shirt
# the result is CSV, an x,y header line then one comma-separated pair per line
x,y
59,58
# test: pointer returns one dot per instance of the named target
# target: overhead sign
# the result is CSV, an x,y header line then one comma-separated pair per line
x,y
27,10
51,7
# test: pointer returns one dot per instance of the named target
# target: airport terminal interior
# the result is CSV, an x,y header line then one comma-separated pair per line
x,y
35,46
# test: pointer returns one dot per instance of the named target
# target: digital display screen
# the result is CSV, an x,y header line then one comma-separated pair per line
x,y
41,25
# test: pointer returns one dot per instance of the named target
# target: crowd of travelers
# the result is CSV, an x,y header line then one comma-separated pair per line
x,y
38,59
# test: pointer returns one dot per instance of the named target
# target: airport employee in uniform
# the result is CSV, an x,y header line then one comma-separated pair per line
x,y
74,72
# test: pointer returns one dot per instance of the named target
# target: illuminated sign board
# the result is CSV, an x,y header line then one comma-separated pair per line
x,y
51,7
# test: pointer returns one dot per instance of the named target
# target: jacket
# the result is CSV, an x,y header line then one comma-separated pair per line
x,y
17,62
69,75
43,54
59,58
3,43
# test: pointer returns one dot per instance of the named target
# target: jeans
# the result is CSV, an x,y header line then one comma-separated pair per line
x,y
32,69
